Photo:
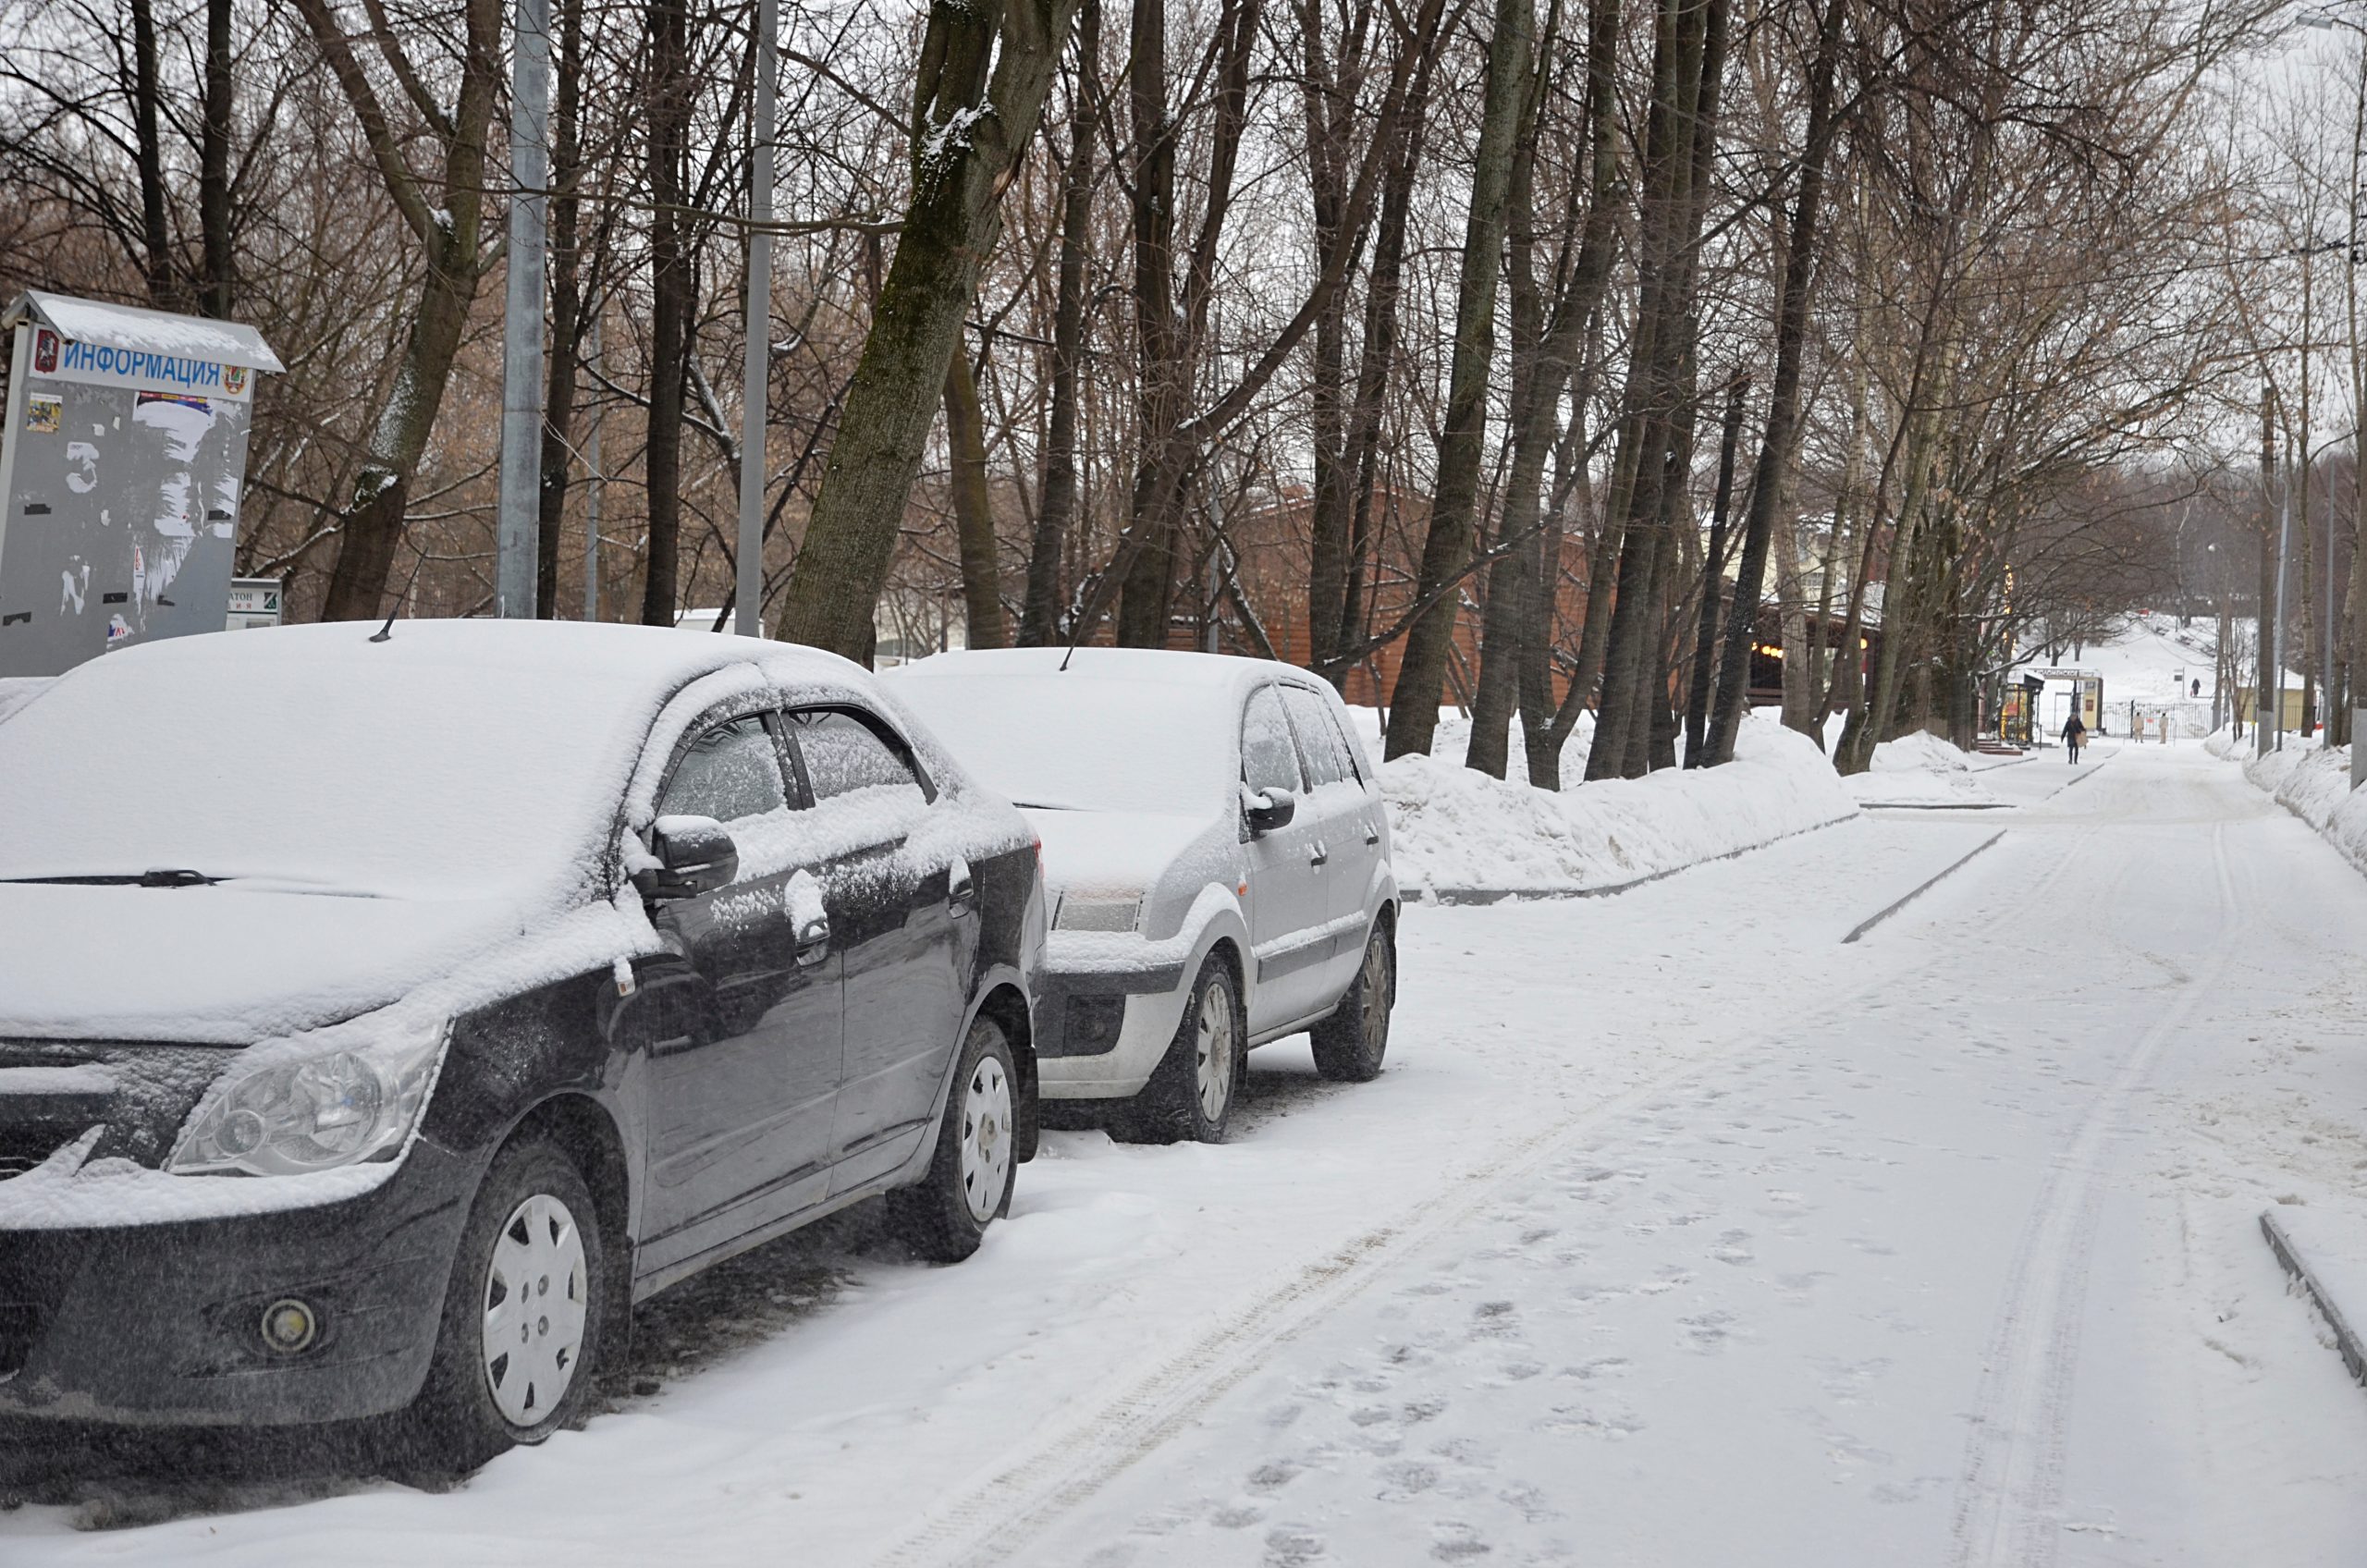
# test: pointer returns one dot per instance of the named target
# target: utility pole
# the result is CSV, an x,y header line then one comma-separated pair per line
x,y
591,488
748,594
2264,610
521,321
2276,643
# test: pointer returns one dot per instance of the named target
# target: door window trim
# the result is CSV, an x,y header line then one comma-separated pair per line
x,y
883,731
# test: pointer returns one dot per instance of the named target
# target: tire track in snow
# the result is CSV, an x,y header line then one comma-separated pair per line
x,y
2010,1498
1001,1517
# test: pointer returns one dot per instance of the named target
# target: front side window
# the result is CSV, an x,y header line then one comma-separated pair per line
x,y
1318,740
1268,760
731,773
845,756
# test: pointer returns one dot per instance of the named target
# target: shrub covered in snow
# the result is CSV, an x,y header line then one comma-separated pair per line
x,y
2310,781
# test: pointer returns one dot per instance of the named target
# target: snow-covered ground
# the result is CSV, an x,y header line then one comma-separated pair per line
x,y
1676,1232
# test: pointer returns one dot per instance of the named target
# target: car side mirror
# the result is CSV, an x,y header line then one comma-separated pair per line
x,y
695,855
1267,809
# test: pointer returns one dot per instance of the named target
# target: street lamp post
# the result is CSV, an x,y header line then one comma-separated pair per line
x,y
748,594
517,521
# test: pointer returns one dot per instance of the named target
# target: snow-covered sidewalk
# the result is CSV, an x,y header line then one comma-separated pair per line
x,y
1676,1232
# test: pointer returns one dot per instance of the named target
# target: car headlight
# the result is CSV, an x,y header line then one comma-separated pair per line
x,y
334,1097
1098,912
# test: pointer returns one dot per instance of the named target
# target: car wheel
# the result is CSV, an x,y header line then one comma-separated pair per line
x,y
945,1214
1350,1044
1191,1093
522,1317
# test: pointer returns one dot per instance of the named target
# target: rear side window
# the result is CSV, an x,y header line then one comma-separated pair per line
x,y
1327,762
1268,760
843,756
731,773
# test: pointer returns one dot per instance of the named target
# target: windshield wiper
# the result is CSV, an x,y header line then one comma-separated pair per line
x,y
159,876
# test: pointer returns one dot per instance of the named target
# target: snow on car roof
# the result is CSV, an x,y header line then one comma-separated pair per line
x,y
1131,729
455,758
1161,666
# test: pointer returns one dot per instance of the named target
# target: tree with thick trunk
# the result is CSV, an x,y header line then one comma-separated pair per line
x,y
449,234
1421,675
984,69
974,516
1040,618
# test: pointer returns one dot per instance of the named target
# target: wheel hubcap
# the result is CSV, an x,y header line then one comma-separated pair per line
x,y
536,1300
1375,987
1213,1058
986,1139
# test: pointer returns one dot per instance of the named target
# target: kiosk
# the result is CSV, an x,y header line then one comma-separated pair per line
x,y
123,459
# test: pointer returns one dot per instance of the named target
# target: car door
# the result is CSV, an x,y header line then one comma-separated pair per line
x,y
1347,827
905,924
743,1089
1287,891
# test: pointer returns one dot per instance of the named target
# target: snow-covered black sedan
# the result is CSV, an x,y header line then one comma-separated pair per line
x,y
381,1015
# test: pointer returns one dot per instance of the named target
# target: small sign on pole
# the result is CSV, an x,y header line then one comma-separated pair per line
x,y
254,602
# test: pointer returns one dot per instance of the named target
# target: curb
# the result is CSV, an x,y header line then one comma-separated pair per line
x,y
1539,895
1919,890
2354,1356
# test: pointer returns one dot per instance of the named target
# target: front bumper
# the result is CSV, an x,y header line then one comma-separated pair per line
x,y
1099,1034
160,1325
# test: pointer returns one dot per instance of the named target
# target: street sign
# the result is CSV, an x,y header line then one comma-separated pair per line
x,y
254,603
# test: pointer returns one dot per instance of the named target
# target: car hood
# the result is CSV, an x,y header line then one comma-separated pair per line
x,y
1115,852
220,964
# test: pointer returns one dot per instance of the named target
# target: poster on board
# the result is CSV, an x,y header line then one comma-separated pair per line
x,y
122,465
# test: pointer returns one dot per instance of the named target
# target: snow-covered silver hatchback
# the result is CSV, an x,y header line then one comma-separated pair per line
x,y
1217,854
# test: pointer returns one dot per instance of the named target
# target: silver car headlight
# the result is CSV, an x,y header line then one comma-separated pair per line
x,y
1098,912
334,1097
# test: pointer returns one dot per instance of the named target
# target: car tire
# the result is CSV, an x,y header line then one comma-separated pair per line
x,y
532,1260
1191,1093
944,1216
1350,1044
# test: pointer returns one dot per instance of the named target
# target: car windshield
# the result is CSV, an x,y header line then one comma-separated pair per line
x,y
447,778
1070,741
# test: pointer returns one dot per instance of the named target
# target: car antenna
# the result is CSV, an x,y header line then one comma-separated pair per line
x,y
386,632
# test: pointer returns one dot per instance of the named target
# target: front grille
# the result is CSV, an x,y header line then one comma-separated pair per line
x,y
22,1148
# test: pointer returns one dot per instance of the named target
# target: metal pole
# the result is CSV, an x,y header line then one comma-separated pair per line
x,y
2276,643
517,520
592,492
748,596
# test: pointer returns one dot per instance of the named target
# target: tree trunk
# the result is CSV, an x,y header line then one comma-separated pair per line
x,y
566,305
963,158
148,157
373,525
974,516
1771,484
1040,621
671,291
217,288
1713,571
1681,135
1413,718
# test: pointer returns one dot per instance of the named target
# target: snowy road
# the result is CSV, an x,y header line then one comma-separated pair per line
x,y
1677,1233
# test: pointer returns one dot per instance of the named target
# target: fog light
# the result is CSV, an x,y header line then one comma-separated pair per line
x,y
290,1326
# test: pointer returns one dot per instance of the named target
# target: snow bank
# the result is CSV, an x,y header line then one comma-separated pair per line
x,y
1459,832
1921,770
2310,781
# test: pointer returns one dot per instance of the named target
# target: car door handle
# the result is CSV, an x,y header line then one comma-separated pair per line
x,y
1372,833
813,941
1318,855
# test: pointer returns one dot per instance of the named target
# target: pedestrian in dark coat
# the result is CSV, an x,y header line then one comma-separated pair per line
x,y
2074,733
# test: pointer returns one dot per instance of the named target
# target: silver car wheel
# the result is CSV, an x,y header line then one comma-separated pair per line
x,y
1212,1063
985,1138
537,1298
